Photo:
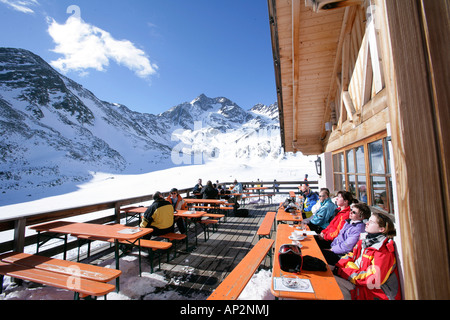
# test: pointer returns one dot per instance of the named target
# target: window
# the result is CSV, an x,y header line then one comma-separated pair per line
x,y
338,169
364,170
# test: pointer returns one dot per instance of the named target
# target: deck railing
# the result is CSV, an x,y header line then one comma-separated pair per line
x,y
18,224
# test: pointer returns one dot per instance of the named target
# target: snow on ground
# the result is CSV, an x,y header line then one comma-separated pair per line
x,y
107,187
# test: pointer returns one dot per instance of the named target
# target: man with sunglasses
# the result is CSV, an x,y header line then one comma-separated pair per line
x,y
178,204
310,198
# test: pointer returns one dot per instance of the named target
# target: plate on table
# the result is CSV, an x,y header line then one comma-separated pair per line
x,y
129,231
296,238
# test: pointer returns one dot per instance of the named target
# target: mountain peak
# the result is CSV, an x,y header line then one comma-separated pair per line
x,y
59,132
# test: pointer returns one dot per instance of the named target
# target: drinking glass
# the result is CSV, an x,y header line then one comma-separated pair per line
x,y
293,282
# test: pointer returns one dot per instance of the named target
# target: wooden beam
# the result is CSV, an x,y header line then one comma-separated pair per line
x,y
373,38
295,23
423,225
367,74
348,103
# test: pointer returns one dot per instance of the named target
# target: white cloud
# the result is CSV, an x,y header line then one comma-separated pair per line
x,y
21,5
85,46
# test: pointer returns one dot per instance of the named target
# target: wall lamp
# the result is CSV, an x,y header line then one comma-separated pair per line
x,y
318,164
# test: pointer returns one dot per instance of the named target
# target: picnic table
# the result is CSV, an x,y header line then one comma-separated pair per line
x,y
323,285
116,231
284,217
189,216
216,202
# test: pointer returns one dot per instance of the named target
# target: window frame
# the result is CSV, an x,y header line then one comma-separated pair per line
x,y
367,168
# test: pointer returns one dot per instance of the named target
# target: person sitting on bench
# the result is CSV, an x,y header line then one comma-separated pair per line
x,y
178,204
159,216
370,269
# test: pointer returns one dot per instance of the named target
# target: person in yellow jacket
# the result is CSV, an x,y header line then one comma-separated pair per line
x,y
159,216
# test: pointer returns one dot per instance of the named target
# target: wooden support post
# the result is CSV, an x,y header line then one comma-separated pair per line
x,y
19,234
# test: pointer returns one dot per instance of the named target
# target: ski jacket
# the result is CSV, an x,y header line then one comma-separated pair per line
x,y
238,188
336,224
348,237
322,216
180,204
373,271
158,215
209,192
310,201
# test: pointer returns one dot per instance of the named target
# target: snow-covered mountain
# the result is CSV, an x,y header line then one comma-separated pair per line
x,y
54,131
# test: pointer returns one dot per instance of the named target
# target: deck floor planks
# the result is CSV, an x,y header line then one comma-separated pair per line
x,y
203,269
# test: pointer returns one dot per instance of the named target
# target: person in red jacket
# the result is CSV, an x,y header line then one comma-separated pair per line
x,y
371,268
326,237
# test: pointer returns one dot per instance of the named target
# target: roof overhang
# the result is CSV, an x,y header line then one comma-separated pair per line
x,y
306,38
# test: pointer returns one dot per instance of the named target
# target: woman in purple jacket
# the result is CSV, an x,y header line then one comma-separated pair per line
x,y
349,235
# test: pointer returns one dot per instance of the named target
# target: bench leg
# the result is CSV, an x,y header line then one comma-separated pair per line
x,y
150,255
140,268
116,254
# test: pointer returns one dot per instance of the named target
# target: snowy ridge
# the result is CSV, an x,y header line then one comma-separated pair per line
x,y
56,134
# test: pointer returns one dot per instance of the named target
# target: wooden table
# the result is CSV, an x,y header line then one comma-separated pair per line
x,y
116,231
185,214
209,201
283,216
193,216
215,203
323,283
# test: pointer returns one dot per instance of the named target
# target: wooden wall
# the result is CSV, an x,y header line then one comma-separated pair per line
x,y
415,37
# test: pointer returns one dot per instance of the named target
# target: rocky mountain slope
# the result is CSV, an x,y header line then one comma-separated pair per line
x,y
54,131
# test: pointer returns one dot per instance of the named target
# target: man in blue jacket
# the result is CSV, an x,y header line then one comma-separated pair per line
x,y
310,199
322,217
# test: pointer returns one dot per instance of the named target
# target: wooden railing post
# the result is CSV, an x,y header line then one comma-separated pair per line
x,y
19,234
117,212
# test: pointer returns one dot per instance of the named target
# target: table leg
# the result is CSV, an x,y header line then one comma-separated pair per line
x,y
116,253
65,247
140,269
37,242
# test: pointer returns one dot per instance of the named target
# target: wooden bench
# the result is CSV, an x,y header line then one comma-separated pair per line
x,y
210,222
232,286
205,225
83,279
174,238
152,246
265,229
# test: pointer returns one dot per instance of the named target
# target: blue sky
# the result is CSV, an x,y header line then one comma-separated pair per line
x,y
150,55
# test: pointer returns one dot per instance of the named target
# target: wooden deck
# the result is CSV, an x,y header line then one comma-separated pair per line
x,y
199,272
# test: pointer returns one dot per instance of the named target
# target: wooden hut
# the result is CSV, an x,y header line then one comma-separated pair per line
x,y
364,84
